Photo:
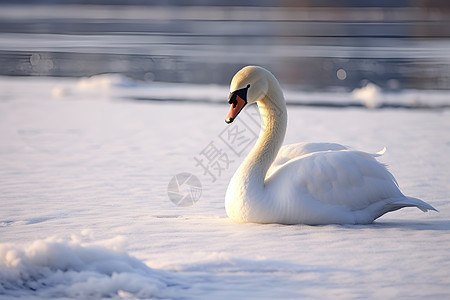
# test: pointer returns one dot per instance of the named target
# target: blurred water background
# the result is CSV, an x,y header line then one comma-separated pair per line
x,y
311,45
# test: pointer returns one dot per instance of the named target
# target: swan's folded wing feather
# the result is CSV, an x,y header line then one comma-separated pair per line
x,y
346,178
294,151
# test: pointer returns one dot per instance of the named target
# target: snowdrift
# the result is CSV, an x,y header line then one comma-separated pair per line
x,y
55,268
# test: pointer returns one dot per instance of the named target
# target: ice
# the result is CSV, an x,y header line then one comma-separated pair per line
x,y
117,86
370,95
85,213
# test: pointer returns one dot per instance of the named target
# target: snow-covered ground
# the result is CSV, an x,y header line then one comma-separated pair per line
x,y
85,211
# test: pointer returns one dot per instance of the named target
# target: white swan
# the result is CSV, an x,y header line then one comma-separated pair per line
x,y
318,183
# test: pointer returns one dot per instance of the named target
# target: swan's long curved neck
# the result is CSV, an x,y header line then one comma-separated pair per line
x,y
273,113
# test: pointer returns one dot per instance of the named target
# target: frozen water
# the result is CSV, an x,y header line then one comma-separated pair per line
x,y
316,46
84,209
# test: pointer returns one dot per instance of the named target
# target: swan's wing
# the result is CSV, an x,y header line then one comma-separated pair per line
x,y
293,151
347,178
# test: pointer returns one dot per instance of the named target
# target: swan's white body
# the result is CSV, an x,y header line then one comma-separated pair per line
x,y
318,183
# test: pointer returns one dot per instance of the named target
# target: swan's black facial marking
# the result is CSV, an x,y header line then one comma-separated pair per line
x,y
237,99
242,93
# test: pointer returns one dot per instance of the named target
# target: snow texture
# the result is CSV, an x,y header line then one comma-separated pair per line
x,y
85,213
51,268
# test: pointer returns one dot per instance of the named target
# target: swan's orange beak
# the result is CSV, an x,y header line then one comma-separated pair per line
x,y
237,99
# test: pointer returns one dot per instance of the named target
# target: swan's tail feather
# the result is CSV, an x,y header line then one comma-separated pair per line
x,y
380,208
410,202
379,153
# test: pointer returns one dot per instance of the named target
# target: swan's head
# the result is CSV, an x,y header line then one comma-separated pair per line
x,y
248,86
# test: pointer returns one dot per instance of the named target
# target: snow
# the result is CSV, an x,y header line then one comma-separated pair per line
x,y
55,268
85,211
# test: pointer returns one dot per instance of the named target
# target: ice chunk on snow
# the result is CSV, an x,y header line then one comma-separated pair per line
x,y
106,81
370,95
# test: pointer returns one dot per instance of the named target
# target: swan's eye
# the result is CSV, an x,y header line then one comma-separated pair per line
x,y
232,99
242,93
